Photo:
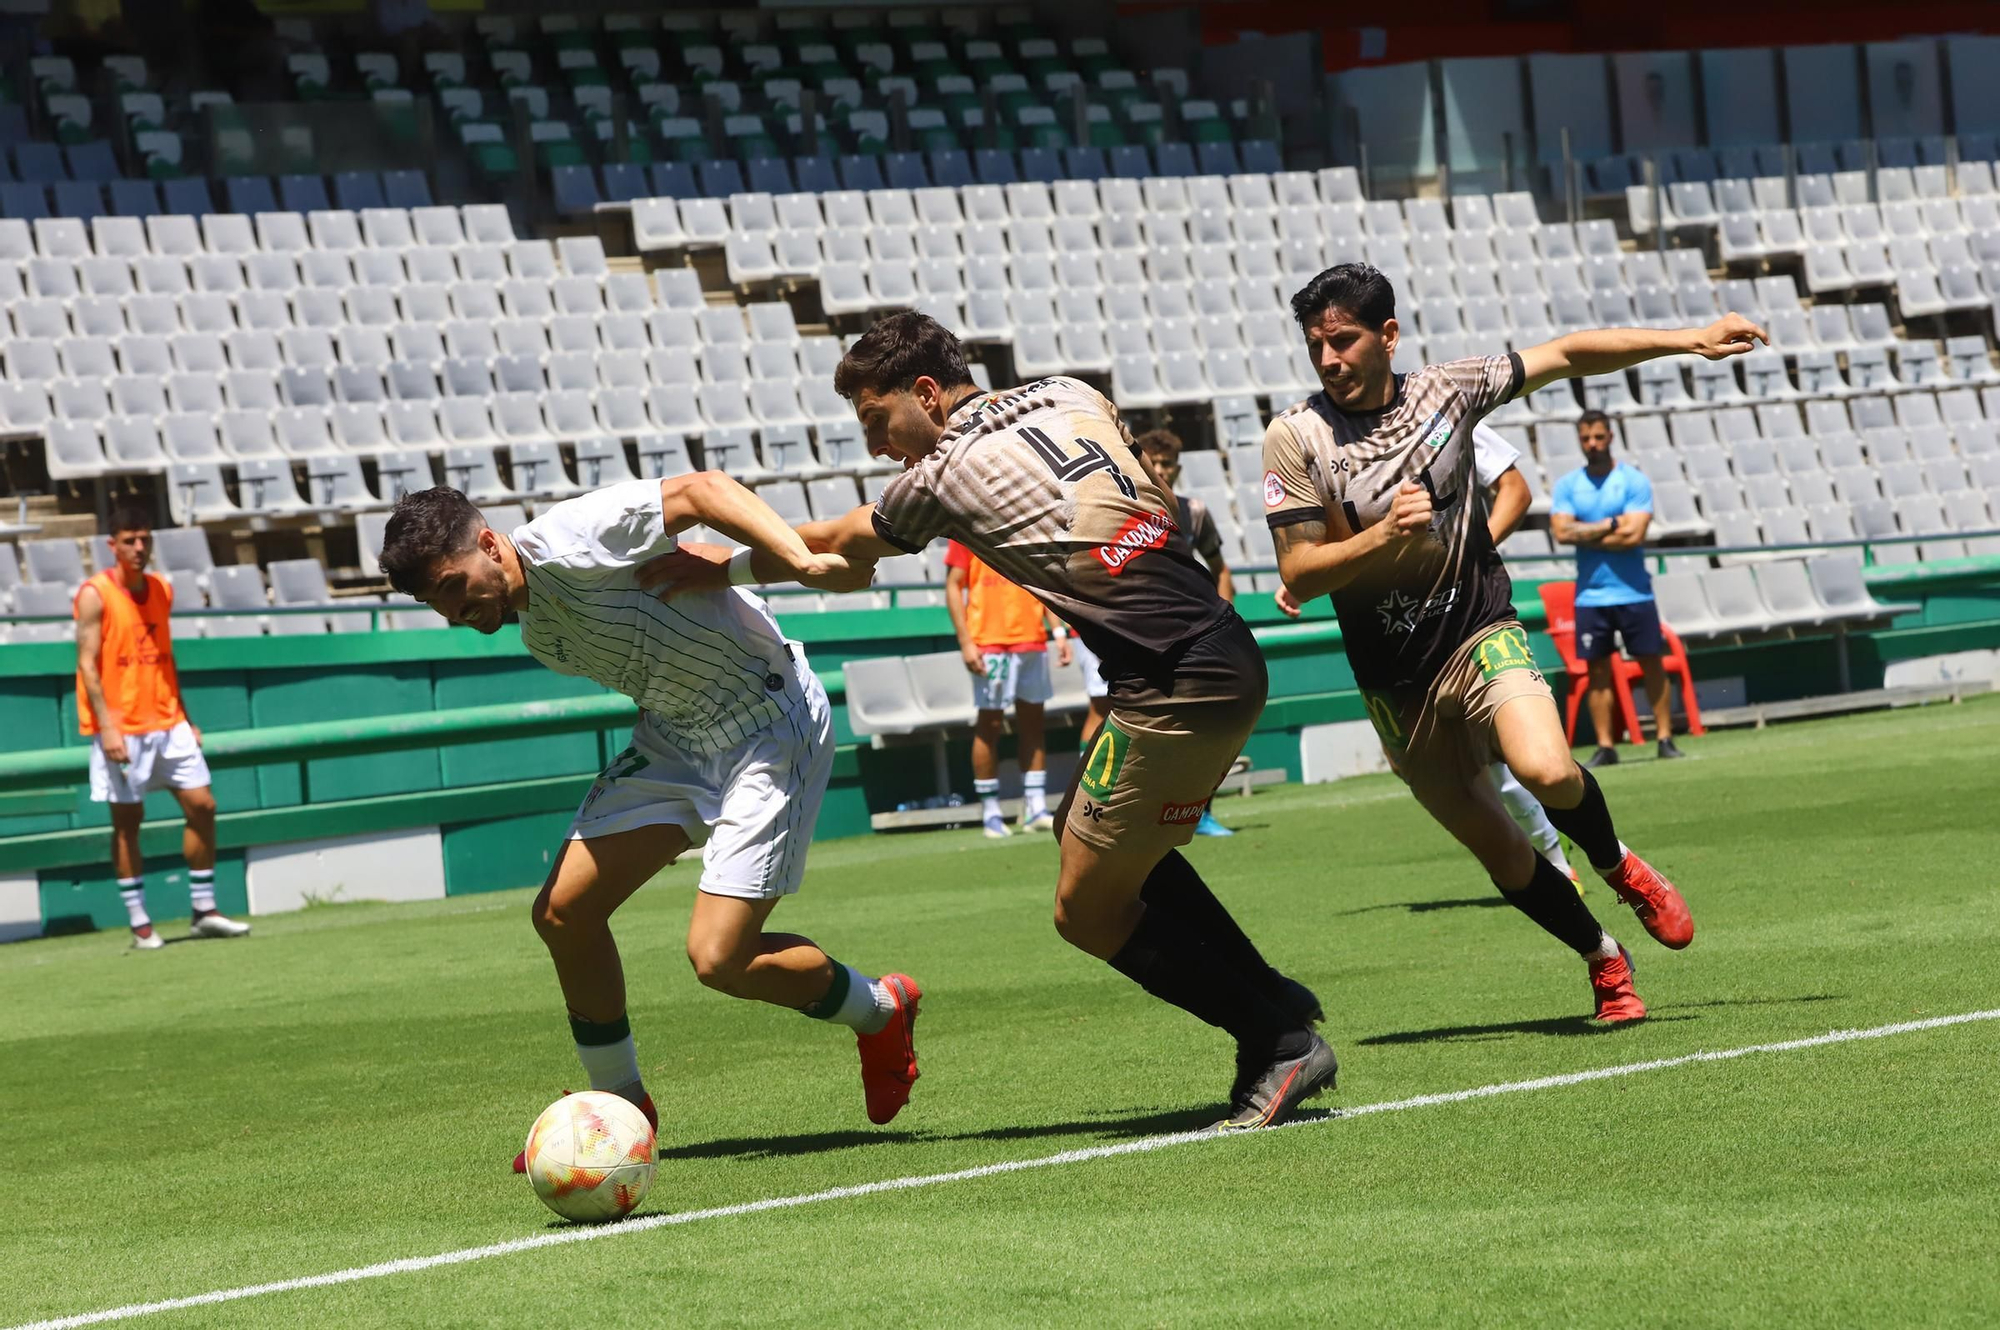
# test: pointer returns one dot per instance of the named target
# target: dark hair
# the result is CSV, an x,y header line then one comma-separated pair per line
x,y
1597,418
1160,441
1358,288
427,527
128,515
902,348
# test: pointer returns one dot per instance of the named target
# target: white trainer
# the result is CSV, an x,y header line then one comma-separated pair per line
x,y
997,829
216,925
1046,822
152,941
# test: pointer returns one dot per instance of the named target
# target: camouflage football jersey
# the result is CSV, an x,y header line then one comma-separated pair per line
x,y
1043,483
1412,603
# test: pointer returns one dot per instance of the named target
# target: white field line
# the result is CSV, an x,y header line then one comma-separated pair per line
x,y
645,1223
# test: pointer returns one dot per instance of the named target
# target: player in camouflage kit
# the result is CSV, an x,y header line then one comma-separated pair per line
x,y
1370,495
1043,484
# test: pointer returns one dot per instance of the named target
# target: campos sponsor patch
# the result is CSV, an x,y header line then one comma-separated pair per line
x,y
1147,531
1274,490
1181,815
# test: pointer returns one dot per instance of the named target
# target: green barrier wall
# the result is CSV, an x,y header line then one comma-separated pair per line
x,y
458,742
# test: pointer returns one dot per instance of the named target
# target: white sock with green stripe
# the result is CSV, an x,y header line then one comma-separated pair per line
x,y
862,1004
989,798
201,890
1034,794
132,890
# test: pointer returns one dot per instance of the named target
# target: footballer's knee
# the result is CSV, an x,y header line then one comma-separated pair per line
x,y
717,964
1552,777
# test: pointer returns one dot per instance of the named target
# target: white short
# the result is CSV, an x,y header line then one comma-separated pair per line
x,y
162,760
1092,667
1012,676
753,806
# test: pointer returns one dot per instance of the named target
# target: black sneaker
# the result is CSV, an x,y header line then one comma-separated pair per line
x,y
1603,757
1667,750
1273,1093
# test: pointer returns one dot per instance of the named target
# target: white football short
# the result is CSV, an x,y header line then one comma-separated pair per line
x,y
1092,667
1012,676
753,806
162,760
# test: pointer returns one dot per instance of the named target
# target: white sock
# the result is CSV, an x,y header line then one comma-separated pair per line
x,y
132,890
613,1067
1607,947
1608,873
864,1007
201,889
989,798
1034,791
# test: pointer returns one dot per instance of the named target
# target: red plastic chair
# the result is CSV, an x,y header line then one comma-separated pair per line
x,y
1559,604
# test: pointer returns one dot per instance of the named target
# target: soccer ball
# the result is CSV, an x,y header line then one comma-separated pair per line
x,y
592,1156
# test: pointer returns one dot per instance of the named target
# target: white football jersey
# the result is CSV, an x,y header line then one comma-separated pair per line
x,y
712,669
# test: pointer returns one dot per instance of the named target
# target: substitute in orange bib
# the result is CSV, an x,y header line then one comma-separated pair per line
x,y
128,698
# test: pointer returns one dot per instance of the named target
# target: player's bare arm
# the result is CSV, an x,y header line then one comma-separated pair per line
x,y
1316,558
89,642
851,535
1608,350
961,624
724,505
1510,504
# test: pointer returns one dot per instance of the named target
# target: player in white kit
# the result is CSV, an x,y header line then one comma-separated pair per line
x,y
732,750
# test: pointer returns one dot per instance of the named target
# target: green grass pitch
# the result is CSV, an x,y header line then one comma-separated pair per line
x,y
347,1086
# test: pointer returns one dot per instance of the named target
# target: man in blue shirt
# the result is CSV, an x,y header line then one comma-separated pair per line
x,y
1603,508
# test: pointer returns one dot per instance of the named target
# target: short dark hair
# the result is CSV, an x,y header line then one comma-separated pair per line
x,y
900,349
128,515
1160,441
1594,417
1358,288
427,527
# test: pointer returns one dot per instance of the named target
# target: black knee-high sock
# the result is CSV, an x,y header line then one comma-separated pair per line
x,y
1175,886
1550,900
1589,825
1168,959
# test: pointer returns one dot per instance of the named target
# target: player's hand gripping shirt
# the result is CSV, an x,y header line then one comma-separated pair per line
x,y
1410,604
1042,482
712,669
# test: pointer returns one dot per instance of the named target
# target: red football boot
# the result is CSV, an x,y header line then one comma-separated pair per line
x,y
1611,982
1654,899
889,1056
645,1106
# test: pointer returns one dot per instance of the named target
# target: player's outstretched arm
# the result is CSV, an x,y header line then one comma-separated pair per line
x,y
1579,355
851,535
725,506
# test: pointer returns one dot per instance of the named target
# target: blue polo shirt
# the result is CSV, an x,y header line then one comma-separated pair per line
x,y
1607,577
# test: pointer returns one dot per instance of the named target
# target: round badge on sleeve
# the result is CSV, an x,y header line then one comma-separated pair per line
x,y
1274,490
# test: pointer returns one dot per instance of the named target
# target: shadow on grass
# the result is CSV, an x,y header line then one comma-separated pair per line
x,y
1572,1026
1491,901
1135,1123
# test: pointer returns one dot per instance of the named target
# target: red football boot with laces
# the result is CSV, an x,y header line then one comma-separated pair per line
x,y
1654,899
645,1106
1611,982
889,1056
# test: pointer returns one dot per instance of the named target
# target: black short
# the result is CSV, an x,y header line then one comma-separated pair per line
x,y
1601,628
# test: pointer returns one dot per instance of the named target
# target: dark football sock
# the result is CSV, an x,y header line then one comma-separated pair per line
x,y
1550,900
1175,886
1589,825
1168,959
